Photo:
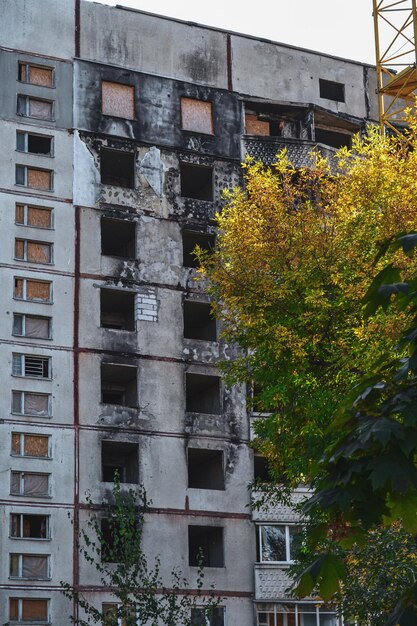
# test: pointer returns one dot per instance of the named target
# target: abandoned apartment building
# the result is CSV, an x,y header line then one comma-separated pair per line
x,y
122,129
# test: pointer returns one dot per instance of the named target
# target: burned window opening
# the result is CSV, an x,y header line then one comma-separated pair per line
x,y
205,543
196,182
332,90
118,238
332,138
205,469
117,309
117,168
119,458
198,321
191,239
202,394
119,385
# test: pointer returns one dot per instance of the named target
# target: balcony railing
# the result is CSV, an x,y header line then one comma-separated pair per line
x,y
299,152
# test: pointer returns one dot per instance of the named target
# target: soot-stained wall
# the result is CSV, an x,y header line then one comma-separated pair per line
x,y
157,111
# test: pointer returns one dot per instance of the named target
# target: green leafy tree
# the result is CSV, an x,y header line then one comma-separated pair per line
x,y
140,595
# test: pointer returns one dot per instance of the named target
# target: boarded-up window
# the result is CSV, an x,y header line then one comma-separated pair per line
x,y
27,403
24,444
118,100
34,567
33,290
255,126
39,179
40,217
33,251
31,326
33,107
196,115
29,484
36,75
34,609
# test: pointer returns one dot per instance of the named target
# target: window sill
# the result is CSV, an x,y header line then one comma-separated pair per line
x,y
27,337
30,538
38,154
34,188
31,377
17,578
40,119
31,301
30,415
31,456
34,263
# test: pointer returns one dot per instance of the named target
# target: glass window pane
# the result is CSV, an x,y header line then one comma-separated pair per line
x,y
16,402
36,484
15,528
20,141
20,175
37,327
15,483
35,566
14,565
15,443
18,325
36,404
40,109
273,543
22,105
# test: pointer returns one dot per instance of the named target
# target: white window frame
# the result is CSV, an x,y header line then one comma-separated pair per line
x,y
24,317
22,366
24,286
27,65
26,212
21,536
26,99
20,612
287,527
298,614
21,556
22,484
26,143
22,403
25,251
22,445
25,169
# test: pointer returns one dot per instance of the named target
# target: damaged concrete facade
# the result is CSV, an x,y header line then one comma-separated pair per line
x,y
123,128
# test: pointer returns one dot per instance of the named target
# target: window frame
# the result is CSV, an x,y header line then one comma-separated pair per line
x,y
25,168
21,556
22,484
25,250
288,559
26,135
22,403
21,97
20,619
21,526
297,613
27,65
26,208
23,365
24,317
22,454
24,280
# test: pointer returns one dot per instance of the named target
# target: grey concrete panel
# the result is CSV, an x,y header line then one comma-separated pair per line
x,y
147,43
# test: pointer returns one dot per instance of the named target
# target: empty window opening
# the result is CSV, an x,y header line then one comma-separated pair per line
x,y
24,526
191,239
261,469
205,469
118,238
29,610
198,321
32,290
35,74
196,182
28,403
24,444
276,543
29,566
35,144
34,107
205,543
117,168
117,614
119,385
31,366
117,309
196,116
39,217
121,458
332,90
118,100
202,394
34,178
332,138
112,545
214,616
29,484
32,326
33,251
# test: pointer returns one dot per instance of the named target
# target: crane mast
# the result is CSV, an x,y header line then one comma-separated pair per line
x,y
395,26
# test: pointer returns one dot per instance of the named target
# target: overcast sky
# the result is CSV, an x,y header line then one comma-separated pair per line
x,y
339,27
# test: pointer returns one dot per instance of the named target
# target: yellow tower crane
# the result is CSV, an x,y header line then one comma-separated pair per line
x,y
395,25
